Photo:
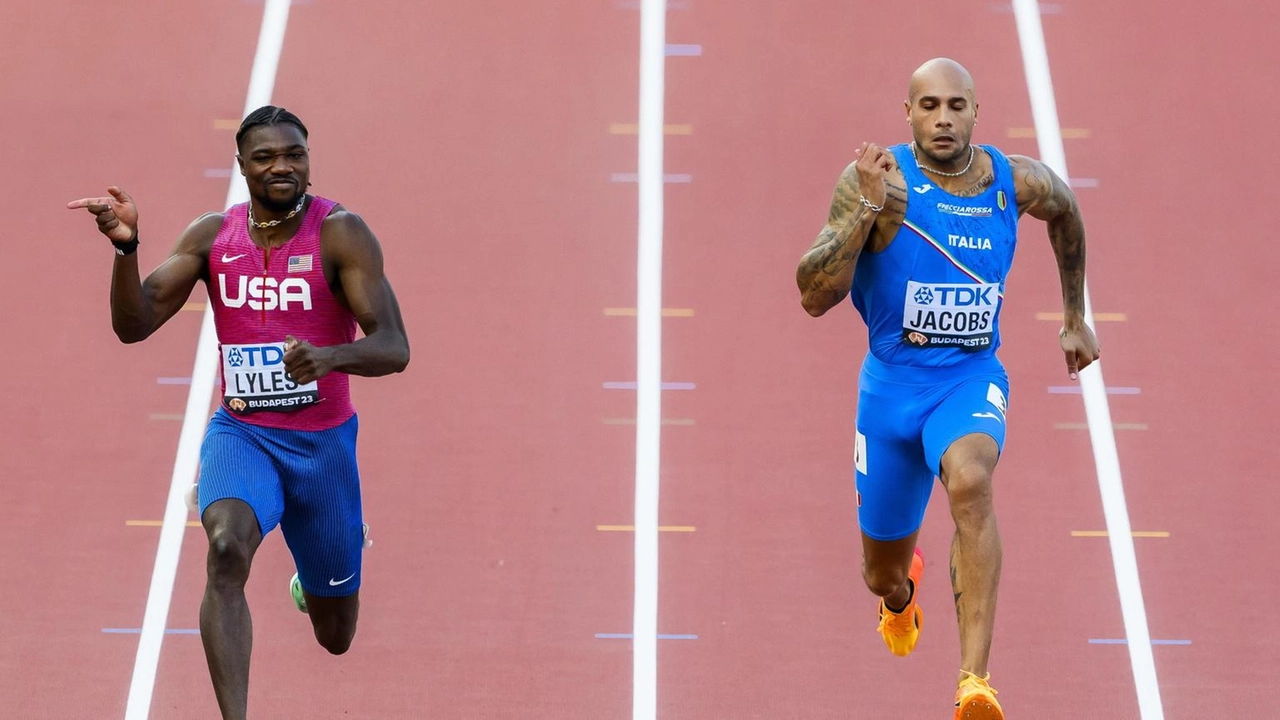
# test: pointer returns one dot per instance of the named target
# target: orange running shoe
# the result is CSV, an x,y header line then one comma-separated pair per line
x,y
901,630
976,700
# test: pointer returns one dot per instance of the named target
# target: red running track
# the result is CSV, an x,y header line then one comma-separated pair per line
x,y
475,140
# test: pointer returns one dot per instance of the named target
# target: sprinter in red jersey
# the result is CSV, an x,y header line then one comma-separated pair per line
x,y
289,276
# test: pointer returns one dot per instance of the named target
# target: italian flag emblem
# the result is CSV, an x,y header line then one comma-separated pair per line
x,y
1000,200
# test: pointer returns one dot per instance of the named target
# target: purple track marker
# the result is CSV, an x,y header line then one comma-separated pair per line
x,y
628,636
675,178
1045,8
1123,641
665,386
137,631
683,50
635,4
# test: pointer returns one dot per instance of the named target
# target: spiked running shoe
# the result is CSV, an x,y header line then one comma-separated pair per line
x,y
901,630
976,700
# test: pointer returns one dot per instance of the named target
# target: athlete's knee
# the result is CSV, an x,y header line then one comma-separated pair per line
x,y
969,489
229,557
883,580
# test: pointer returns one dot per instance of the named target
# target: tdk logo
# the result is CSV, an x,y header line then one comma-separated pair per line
x,y
944,296
266,293
251,356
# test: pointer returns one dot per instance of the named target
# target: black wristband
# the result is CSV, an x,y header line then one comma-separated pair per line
x,y
126,248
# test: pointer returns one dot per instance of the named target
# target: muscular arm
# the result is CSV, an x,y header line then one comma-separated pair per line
x,y
1045,196
825,273
140,307
384,349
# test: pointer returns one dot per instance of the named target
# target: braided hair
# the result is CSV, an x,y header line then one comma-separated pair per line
x,y
268,115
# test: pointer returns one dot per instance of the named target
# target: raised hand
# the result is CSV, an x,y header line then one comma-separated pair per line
x,y
872,163
1080,346
117,214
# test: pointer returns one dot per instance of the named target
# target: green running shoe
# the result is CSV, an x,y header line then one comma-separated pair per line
x,y
295,589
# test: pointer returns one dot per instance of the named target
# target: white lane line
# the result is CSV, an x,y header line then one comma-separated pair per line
x,y
644,629
1035,59
275,17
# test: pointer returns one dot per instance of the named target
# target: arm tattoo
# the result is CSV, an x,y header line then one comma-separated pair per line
x,y
1047,197
825,273
897,197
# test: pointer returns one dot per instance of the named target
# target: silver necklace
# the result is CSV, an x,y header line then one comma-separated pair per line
x,y
298,209
939,172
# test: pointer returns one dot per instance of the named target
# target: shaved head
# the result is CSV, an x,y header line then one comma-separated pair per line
x,y
942,111
943,72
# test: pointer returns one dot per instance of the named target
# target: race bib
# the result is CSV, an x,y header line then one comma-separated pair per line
x,y
256,381
960,315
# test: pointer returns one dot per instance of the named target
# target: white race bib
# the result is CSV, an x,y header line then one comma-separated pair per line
x,y
961,315
256,381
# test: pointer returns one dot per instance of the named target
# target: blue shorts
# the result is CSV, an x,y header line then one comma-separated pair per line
x,y
304,481
907,418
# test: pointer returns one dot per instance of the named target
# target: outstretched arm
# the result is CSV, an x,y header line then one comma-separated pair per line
x,y
138,307
825,273
1045,196
384,349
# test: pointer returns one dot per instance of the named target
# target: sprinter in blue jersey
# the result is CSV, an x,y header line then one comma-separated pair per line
x,y
921,236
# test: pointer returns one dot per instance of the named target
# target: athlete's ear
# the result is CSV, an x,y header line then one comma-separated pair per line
x,y
240,162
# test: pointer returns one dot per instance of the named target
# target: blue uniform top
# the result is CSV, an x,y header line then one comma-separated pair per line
x,y
932,298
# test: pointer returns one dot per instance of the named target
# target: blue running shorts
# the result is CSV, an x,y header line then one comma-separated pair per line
x,y
907,418
302,480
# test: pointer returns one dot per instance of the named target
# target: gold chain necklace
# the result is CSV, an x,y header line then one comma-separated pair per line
x,y
298,209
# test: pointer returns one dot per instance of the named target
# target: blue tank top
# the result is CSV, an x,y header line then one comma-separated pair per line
x,y
933,297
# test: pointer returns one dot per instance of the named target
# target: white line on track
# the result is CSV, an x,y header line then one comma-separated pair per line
x,y
275,17
1035,59
644,680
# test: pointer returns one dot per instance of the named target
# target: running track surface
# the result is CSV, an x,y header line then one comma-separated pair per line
x,y
475,139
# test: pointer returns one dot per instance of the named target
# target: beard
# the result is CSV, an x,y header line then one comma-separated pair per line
x,y
278,203
961,152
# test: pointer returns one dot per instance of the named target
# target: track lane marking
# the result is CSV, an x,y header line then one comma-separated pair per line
x,y
631,312
650,188
1135,533
633,129
1097,317
665,421
262,77
1035,59
661,528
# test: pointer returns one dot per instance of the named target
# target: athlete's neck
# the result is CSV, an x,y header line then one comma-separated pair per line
x,y
281,225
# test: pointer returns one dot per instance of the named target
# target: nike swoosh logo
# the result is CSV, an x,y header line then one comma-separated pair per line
x,y
232,258
336,583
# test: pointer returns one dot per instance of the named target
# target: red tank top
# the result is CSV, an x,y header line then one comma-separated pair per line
x,y
261,296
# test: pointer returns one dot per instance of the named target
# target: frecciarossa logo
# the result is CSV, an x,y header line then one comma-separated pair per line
x,y
265,293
